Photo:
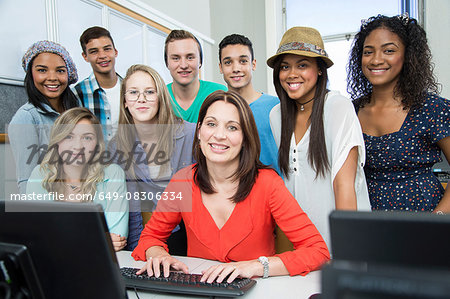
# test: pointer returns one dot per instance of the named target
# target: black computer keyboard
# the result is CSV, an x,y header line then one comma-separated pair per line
x,y
181,283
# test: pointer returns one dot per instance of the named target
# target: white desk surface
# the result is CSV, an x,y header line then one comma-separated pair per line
x,y
286,287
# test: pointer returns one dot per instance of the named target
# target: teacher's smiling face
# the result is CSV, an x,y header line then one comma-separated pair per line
x,y
220,134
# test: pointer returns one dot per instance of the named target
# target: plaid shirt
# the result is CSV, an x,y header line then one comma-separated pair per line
x,y
93,97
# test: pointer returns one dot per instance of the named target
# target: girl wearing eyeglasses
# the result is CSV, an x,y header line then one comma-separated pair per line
x,y
151,144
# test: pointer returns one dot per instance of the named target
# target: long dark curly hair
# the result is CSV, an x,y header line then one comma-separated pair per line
x,y
416,77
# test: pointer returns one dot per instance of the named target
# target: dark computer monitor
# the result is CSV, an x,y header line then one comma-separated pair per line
x,y
18,277
356,280
442,170
387,255
393,238
69,245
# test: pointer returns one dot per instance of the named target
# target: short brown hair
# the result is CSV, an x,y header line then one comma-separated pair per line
x,y
249,163
179,34
93,33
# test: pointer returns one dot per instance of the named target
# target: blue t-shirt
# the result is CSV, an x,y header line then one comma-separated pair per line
x,y
261,109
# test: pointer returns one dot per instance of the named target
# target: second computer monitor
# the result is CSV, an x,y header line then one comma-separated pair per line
x,y
393,238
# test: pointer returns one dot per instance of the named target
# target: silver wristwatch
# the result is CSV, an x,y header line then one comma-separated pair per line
x,y
265,262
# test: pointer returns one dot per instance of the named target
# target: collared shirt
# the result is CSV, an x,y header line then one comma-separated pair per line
x,y
94,98
143,185
248,232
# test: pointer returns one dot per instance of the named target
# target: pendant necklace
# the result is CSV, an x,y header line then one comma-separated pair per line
x,y
302,105
72,187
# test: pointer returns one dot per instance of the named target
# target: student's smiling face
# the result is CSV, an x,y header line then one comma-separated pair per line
x,y
50,75
183,61
237,66
101,54
79,146
383,57
298,76
145,107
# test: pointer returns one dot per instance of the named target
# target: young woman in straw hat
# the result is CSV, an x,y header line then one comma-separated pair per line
x,y
405,123
321,148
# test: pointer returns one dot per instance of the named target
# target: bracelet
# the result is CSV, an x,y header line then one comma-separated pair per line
x,y
265,262
438,212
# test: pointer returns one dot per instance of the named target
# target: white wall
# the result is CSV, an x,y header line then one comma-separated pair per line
x,y
437,26
195,15
246,18
274,29
217,18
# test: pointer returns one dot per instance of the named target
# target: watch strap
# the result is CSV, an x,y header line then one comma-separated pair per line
x,y
265,262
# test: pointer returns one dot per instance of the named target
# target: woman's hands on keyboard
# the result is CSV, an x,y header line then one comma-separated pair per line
x,y
159,260
231,271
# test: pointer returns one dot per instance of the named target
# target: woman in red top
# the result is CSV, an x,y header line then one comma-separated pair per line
x,y
230,203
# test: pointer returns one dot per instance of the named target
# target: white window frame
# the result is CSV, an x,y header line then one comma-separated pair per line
x,y
136,6
415,9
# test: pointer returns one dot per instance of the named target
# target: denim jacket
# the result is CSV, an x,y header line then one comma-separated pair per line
x,y
181,157
28,133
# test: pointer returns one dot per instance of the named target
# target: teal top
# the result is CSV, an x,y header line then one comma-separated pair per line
x,y
261,108
110,194
191,114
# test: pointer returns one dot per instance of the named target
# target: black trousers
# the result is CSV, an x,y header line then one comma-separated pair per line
x,y
177,241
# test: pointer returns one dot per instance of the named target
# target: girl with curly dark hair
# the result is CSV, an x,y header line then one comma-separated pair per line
x,y
404,121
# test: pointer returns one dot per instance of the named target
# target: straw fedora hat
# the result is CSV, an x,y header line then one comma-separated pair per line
x,y
302,41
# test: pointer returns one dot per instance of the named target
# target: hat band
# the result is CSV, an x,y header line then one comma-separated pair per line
x,y
302,47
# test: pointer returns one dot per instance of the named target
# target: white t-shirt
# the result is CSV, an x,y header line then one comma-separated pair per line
x,y
342,133
157,178
113,96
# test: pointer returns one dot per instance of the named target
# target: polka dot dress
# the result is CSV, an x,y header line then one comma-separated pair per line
x,y
398,165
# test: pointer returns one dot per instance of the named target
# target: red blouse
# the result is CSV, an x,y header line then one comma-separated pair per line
x,y
248,232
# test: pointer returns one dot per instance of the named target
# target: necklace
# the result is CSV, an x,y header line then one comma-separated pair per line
x,y
72,187
302,105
